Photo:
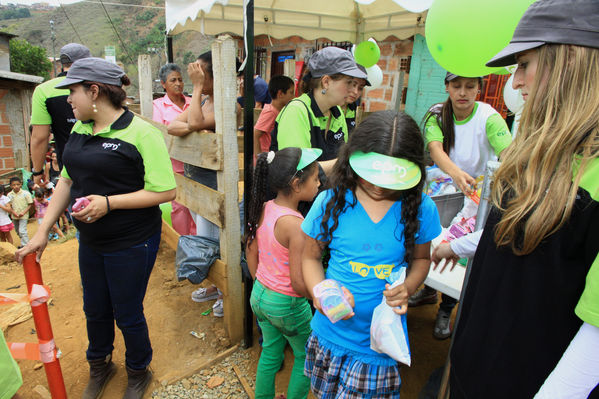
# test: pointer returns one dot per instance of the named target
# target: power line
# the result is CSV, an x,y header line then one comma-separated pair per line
x,y
69,19
117,34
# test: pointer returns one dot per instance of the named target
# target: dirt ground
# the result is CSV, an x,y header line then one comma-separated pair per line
x,y
171,317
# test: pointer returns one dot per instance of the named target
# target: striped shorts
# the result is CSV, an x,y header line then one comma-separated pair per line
x,y
346,377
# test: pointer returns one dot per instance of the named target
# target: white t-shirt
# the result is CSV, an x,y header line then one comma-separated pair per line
x,y
4,219
479,138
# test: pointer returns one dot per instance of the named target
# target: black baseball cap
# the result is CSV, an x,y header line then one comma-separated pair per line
x,y
94,70
552,21
332,60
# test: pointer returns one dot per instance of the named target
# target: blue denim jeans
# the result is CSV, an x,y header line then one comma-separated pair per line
x,y
114,286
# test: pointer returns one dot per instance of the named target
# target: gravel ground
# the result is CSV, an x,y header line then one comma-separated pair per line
x,y
198,385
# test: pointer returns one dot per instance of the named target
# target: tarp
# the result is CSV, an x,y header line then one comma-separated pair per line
x,y
336,20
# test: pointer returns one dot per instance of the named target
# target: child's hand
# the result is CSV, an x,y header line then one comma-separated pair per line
x,y
397,298
444,251
464,181
348,295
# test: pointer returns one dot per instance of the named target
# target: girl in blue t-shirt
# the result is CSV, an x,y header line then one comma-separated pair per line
x,y
375,220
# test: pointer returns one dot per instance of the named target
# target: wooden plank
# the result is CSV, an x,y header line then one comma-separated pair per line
x,y
225,93
204,201
218,276
197,366
244,383
170,235
145,84
202,149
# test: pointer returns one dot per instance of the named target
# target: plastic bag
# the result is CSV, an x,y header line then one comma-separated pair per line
x,y
195,255
389,331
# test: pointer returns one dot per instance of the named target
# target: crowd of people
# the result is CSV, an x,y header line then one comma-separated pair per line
x,y
323,207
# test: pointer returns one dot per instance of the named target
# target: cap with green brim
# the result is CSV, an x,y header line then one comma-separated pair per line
x,y
308,156
385,171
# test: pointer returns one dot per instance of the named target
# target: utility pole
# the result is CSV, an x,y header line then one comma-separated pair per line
x,y
53,38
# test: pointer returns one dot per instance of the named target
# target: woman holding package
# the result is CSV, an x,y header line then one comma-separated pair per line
x,y
315,119
120,165
530,315
165,110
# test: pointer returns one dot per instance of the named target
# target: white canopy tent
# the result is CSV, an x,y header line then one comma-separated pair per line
x,y
336,20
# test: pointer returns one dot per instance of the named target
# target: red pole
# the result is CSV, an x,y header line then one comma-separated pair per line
x,y
41,318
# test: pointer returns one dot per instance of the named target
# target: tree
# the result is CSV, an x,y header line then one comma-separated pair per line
x,y
29,59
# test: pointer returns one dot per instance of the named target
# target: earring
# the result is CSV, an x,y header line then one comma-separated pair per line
x,y
324,91
94,107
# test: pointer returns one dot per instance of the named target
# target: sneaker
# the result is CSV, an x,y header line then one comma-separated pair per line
x,y
442,328
200,295
217,308
426,296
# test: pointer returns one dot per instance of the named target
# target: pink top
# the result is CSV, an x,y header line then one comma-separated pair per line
x,y
266,122
165,111
40,208
273,258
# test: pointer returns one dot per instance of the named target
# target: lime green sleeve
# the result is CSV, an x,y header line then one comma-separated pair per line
x,y
158,175
64,173
39,112
498,134
432,131
293,126
10,374
588,306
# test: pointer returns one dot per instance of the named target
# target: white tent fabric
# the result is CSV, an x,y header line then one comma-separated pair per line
x,y
336,20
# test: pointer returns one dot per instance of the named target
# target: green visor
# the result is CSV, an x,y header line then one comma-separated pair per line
x,y
308,156
385,171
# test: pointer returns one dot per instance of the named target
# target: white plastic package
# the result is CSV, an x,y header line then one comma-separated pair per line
x,y
389,331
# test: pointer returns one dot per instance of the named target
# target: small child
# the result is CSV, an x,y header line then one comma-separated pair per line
x,y
5,223
41,206
20,202
375,221
274,249
281,90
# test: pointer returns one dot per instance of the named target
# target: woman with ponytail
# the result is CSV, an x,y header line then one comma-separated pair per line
x,y
274,249
462,135
529,325
117,167
375,220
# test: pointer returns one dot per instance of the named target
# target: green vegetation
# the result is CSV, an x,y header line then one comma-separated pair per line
x,y
29,59
15,13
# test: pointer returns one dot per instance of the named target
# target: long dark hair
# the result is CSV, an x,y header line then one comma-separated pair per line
x,y
389,133
443,112
277,176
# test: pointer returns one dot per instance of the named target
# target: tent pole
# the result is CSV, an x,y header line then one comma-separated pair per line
x,y
169,49
248,150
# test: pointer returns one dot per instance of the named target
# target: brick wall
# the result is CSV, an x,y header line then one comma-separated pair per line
x,y
7,156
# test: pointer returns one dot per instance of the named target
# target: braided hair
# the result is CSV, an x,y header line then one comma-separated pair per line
x,y
389,133
276,176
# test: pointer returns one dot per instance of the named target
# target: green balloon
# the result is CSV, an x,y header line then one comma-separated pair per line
x,y
367,53
463,35
166,209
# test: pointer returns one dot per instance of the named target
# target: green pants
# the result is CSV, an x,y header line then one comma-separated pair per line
x,y
282,318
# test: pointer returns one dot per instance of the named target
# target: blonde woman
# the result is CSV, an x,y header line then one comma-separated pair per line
x,y
530,314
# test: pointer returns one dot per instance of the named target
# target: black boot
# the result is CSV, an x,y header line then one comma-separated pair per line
x,y
100,372
137,382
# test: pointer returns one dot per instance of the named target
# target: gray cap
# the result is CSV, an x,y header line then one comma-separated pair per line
x,y
552,21
332,60
73,52
93,70
361,68
450,76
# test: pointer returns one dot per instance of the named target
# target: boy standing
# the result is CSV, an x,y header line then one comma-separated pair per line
x,y
20,201
281,90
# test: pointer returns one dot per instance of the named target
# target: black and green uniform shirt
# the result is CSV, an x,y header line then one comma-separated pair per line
x,y
520,313
302,124
49,106
128,156
350,115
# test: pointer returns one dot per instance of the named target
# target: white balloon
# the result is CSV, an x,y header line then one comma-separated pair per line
x,y
375,76
512,98
415,6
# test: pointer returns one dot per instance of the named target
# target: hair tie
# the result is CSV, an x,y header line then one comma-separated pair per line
x,y
270,156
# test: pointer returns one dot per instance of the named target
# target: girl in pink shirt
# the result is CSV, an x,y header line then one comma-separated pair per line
x,y
274,245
